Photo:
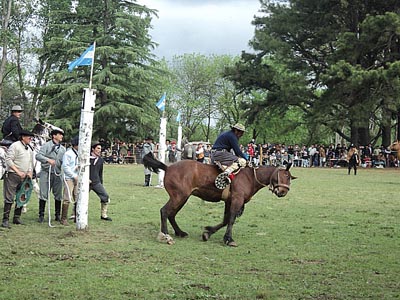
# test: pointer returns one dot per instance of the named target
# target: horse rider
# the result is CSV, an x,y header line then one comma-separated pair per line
x,y
221,151
11,126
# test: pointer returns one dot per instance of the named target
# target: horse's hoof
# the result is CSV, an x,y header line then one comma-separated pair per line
x,y
205,236
232,244
165,238
182,234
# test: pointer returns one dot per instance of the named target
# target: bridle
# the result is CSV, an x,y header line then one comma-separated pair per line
x,y
271,186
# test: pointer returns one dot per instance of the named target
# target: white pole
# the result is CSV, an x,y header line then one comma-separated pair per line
x,y
163,146
179,142
85,138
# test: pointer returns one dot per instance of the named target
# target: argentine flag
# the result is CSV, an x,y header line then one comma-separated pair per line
x,y
86,59
161,103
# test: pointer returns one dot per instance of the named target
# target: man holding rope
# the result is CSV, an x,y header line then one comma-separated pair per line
x,y
50,156
71,172
19,162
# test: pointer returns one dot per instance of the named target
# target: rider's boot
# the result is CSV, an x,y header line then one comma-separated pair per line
x,y
229,170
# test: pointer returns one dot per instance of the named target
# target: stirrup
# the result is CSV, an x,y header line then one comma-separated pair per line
x,y
222,180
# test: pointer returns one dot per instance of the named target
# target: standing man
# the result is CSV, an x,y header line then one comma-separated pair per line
x,y
12,128
148,147
96,179
353,159
19,165
50,156
221,151
71,170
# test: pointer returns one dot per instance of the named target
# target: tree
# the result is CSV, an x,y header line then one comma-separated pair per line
x,y
320,56
125,73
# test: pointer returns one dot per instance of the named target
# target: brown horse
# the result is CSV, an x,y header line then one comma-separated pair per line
x,y
188,177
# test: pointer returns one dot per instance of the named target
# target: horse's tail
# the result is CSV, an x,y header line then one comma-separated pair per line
x,y
153,164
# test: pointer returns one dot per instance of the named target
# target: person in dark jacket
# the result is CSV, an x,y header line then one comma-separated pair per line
x,y
96,179
11,126
221,151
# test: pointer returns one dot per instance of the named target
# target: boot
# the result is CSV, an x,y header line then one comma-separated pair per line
x,y
104,212
232,168
17,216
229,170
64,214
147,180
42,206
6,215
57,205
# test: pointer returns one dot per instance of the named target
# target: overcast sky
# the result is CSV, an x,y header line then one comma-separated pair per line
x,y
202,26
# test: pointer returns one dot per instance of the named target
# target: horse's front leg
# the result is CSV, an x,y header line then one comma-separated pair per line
x,y
210,230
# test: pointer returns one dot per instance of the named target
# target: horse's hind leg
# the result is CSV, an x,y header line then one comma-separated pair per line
x,y
169,211
210,230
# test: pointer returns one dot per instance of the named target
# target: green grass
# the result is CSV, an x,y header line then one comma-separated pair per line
x,y
333,237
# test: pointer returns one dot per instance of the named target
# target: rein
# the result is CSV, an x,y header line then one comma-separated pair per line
x,y
272,187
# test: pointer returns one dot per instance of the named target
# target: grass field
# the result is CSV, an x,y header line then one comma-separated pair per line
x,y
333,237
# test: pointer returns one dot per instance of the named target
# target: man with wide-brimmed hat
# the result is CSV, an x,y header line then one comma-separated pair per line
x,y
50,156
19,165
221,152
11,126
148,147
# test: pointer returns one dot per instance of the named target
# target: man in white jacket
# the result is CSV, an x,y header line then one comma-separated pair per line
x,y
71,171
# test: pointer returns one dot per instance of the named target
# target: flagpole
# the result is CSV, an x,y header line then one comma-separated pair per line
x,y
91,67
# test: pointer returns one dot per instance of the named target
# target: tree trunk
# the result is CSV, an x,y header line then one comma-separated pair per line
x,y
6,12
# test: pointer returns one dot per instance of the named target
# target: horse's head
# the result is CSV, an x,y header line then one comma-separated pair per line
x,y
280,181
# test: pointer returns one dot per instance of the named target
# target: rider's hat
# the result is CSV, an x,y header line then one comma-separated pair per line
x,y
16,108
56,131
239,127
25,133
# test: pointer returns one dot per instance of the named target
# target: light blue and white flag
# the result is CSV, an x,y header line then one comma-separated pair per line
x,y
178,117
86,59
161,103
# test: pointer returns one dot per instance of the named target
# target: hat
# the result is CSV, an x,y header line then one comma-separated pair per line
x,y
352,146
239,127
149,138
16,108
25,133
75,141
56,131
95,144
